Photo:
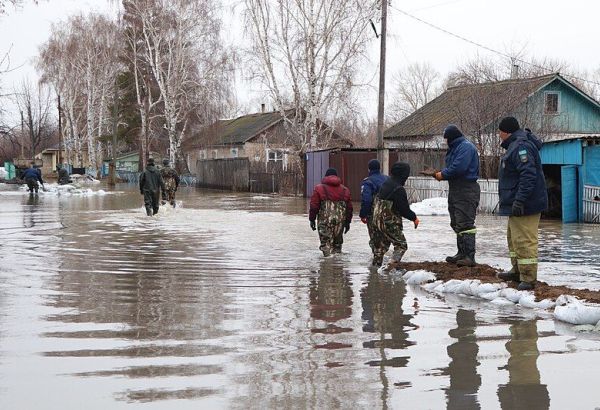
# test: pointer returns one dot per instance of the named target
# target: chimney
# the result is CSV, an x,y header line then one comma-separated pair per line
x,y
262,108
514,72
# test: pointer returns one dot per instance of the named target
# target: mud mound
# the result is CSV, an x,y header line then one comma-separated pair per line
x,y
487,274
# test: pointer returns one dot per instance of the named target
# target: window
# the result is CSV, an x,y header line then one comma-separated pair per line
x,y
215,154
274,156
234,152
552,103
202,154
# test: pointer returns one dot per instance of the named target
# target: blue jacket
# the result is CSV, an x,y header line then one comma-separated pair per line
x,y
32,173
462,160
521,177
369,188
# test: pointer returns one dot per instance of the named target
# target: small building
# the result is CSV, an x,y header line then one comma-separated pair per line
x,y
50,160
260,137
550,105
572,170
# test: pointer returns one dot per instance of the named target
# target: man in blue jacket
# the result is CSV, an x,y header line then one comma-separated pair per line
x,y
31,176
461,172
368,190
523,196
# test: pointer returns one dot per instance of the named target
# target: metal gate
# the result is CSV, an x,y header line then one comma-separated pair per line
x,y
591,204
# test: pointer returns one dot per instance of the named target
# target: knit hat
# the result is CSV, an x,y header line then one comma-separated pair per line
x,y
400,169
374,165
451,132
509,125
150,161
331,171
165,162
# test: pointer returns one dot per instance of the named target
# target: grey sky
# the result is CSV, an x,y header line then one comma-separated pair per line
x,y
555,29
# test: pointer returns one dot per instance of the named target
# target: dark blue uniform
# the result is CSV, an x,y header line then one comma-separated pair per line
x,y
31,176
521,177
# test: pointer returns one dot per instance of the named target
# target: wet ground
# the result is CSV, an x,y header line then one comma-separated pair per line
x,y
227,303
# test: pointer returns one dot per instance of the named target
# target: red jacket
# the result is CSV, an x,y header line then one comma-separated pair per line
x,y
331,189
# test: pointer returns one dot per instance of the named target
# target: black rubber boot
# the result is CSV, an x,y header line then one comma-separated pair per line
x,y
509,276
468,241
526,286
148,211
459,255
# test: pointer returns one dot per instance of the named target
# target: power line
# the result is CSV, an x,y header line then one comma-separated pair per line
x,y
443,30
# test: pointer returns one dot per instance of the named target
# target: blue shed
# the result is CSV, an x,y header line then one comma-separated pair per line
x,y
572,170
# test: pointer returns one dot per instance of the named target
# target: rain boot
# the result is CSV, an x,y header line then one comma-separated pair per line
x,y
511,275
148,211
459,255
468,240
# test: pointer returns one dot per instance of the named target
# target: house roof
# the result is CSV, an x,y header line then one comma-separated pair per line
x,y
246,127
488,100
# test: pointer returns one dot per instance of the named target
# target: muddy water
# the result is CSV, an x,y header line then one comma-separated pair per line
x,y
227,303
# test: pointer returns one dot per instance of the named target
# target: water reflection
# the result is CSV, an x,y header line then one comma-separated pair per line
x,y
524,389
330,301
29,215
462,369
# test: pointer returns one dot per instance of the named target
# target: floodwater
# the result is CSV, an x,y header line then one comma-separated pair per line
x,y
227,303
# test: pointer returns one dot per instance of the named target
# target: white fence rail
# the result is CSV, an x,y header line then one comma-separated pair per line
x,y
591,204
420,188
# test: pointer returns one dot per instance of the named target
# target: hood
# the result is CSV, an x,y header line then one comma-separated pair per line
x,y
151,168
332,180
534,139
455,141
522,134
374,172
400,172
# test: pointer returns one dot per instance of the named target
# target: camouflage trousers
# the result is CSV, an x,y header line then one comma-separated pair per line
x,y
168,194
385,228
330,225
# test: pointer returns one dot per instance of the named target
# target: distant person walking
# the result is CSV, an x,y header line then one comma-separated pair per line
x,y
390,206
171,180
32,176
330,212
150,185
368,190
523,196
461,172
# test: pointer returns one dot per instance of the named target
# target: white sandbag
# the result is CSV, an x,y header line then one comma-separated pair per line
x,y
468,286
490,295
511,294
490,287
441,288
430,287
571,310
501,301
418,277
453,286
528,300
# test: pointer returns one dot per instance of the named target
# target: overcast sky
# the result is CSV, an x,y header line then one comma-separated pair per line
x,y
556,29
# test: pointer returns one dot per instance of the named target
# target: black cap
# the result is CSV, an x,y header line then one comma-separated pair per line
x,y
452,132
331,171
150,161
509,125
166,161
374,165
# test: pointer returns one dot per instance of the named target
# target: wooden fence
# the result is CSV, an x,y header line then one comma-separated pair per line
x,y
591,204
227,173
285,183
420,188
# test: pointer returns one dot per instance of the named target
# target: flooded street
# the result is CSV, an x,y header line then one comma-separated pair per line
x,y
227,302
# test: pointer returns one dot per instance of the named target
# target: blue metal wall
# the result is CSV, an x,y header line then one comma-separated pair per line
x,y
317,163
567,152
591,172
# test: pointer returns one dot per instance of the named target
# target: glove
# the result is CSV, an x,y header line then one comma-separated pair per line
x,y
416,222
313,225
364,220
518,208
346,227
438,175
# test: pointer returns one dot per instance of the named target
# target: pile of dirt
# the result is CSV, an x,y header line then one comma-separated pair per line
x,y
487,274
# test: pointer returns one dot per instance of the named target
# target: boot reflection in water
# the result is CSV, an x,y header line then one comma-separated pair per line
x,y
524,389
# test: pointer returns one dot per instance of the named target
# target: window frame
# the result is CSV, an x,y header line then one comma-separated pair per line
x,y
546,94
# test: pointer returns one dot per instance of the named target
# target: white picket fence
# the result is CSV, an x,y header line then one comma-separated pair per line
x,y
591,204
420,188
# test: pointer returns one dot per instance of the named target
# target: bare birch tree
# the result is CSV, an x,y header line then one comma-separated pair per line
x,y
306,53
184,52
34,101
414,86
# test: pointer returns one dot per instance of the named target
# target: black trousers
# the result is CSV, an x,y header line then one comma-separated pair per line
x,y
463,200
151,200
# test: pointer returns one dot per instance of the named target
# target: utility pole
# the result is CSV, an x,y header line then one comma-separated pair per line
x,y
112,166
382,153
60,144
